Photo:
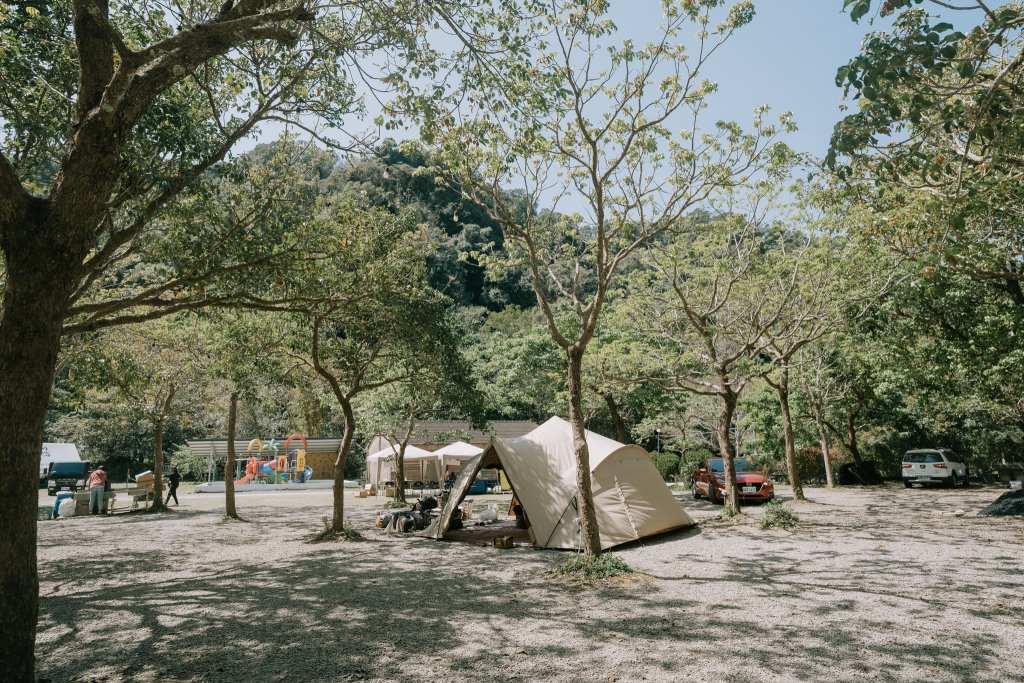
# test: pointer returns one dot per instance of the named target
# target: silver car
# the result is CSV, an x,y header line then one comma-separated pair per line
x,y
934,466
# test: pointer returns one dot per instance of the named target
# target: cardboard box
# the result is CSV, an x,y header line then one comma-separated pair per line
x,y
390,492
502,542
82,502
144,479
361,494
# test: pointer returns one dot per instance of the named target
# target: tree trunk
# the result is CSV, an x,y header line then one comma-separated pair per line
x,y
338,517
819,420
158,466
400,458
782,389
158,452
851,430
590,534
229,464
728,450
613,410
42,269
400,469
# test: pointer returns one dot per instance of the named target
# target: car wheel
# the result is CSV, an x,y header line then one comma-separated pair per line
x,y
693,490
52,492
952,481
967,477
908,483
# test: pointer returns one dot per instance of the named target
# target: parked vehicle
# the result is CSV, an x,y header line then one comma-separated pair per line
x,y
67,476
55,452
934,466
752,483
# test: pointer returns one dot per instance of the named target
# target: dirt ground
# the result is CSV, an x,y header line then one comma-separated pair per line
x,y
877,584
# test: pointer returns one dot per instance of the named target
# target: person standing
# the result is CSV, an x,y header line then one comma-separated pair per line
x,y
97,487
172,486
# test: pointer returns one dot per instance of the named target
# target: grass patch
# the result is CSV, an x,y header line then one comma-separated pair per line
x,y
347,533
592,569
778,516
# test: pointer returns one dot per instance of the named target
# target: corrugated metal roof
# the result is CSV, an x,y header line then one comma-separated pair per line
x,y
218,448
428,431
437,433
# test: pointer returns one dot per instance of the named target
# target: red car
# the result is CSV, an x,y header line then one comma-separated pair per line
x,y
753,484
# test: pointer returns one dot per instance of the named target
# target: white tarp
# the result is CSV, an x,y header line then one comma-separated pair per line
x,y
630,498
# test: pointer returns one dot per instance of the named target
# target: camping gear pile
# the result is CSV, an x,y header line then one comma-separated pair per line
x,y
415,519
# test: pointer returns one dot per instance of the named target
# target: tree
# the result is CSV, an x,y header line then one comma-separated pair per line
x,y
935,147
382,325
932,155
229,463
109,115
704,299
517,366
616,128
437,385
398,178
154,370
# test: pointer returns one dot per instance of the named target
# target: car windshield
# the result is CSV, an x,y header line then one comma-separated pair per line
x,y
922,457
67,469
742,465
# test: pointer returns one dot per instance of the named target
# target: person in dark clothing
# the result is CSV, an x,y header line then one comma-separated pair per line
x,y
172,486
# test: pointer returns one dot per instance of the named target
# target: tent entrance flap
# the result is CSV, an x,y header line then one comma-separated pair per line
x,y
460,489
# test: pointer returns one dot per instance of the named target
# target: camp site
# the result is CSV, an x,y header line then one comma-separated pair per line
x,y
511,340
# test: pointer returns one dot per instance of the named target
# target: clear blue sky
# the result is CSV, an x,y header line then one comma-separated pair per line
x,y
786,58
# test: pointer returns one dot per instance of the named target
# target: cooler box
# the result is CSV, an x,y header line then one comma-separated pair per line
x,y
63,495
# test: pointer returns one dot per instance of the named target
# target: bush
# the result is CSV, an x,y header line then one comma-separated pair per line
x,y
778,516
691,458
667,464
189,465
604,566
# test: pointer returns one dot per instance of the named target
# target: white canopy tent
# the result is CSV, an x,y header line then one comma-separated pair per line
x,y
630,497
420,464
452,457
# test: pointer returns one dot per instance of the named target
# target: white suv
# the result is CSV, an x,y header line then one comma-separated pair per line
x,y
933,466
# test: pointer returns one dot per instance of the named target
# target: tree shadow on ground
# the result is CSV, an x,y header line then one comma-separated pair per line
x,y
210,602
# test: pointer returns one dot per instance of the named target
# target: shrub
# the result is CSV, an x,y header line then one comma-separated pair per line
x,y
690,460
190,465
667,464
778,516
604,566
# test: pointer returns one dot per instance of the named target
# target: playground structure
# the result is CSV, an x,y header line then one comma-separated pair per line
x,y
284,467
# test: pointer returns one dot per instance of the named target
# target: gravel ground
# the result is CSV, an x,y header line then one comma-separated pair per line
x,y
877,584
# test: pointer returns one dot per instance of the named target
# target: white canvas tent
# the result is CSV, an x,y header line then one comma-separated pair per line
x,y
420,465
452,457
630,497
